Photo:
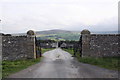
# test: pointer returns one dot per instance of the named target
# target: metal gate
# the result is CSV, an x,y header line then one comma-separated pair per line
x,y
38,48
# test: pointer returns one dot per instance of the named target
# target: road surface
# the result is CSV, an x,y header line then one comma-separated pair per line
x,y
59,64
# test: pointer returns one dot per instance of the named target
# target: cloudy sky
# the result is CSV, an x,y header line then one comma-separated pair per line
x,y
18,16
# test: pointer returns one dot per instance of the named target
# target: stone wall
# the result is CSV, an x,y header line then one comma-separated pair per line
x,y
100,45
17,47
104,45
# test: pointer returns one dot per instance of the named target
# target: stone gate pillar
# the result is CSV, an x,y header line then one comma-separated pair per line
x,y
85,35
31,42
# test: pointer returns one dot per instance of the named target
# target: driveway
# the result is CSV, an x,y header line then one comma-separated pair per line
x,y
59,64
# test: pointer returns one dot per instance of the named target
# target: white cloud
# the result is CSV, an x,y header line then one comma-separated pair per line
x,y
22,15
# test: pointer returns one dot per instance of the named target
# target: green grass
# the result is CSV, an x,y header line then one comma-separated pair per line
x,y
63,36
46,49
10,67
0,71
105,62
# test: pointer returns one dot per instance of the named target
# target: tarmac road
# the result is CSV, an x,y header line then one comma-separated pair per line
x,y
59,64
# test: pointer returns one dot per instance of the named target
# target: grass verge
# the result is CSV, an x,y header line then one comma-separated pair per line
x,y
10,67
105,62
46,49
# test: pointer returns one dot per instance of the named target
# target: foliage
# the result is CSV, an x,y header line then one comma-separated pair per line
x,y
46,41
45,50
60,36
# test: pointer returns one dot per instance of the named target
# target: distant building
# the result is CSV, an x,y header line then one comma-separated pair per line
x,y
63,45
54,45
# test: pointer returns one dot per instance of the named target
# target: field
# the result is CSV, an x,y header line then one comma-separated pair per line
x,y
106,62
60,36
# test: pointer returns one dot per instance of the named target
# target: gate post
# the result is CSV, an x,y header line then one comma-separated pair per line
x,y
85,40
31,35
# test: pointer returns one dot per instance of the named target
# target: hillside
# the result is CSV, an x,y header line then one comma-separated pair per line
x,y
55,31
58,35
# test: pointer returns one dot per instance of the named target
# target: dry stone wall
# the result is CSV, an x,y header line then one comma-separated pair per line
x,y
100,45
104,45
17,47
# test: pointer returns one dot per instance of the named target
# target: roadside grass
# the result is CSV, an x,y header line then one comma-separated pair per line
x,y
46,49
105,62
10,67
0,70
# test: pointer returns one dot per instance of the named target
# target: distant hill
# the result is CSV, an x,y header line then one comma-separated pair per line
x,y
66,35
57,34
56,31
